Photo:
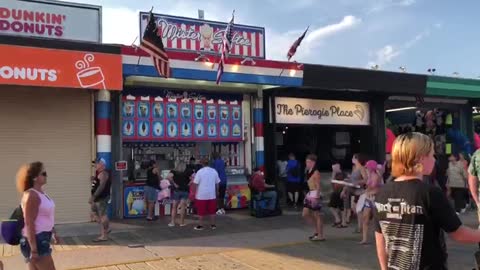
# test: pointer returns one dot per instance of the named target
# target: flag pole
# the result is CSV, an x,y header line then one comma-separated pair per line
x,y
133,43
220,48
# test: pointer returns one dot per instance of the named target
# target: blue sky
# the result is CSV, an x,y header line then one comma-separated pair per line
x,y
416,34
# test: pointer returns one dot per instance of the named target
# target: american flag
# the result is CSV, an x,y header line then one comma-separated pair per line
x,y
153,45
295,45
227,44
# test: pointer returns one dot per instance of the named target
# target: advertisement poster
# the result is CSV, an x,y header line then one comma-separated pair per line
x,y
147,119
134,202
237,196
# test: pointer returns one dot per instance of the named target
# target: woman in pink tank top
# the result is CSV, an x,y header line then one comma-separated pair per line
x,y
374,182
39,215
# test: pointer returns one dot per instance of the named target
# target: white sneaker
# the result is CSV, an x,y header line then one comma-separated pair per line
x,y
463,210
171,224
221,212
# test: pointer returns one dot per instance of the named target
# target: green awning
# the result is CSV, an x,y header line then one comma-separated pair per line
x,y
453,87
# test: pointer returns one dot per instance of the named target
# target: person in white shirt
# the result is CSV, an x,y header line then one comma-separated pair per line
x,y
206,183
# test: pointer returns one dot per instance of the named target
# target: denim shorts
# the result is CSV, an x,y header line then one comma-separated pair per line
x,y
43,245
151,194
180,195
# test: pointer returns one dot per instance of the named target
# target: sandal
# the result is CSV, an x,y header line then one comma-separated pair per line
x,y
317,239
336,224
315,235
340,226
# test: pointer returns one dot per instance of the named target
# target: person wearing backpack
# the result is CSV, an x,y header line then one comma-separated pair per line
x,y
39,216
294,185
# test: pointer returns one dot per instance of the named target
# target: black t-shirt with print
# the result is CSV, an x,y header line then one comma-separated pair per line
x,y
412,216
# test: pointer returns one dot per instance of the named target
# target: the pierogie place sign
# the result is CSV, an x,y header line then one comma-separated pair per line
x,y
321,112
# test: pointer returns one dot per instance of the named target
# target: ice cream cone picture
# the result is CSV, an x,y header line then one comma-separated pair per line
x,y
224,130
236,113
172,129
89,76
130,203
128,128
128,109
206,37
199,131
158,129
212,130
157,110
172,111
224,113
186,130
211,113
143,128
236,131
186,112
142,109
199,112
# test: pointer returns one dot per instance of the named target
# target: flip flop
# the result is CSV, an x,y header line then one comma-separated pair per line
x,y
340,226
98,240
336,224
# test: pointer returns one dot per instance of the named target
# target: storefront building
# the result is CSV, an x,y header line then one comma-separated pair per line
x,y
188,115
47,99
336,113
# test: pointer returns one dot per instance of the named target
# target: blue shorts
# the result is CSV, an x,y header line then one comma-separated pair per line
x,y
180,195
151,194
43,245
368,204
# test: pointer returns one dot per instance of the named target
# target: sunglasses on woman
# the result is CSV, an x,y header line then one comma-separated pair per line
x,y
44,174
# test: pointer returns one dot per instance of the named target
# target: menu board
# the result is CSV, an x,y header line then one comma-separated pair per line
x,y
148,119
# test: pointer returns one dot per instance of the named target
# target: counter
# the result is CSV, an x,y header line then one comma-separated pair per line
x,y
237,195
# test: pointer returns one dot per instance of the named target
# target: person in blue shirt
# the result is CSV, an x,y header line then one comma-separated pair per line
x,y
294,184
219,165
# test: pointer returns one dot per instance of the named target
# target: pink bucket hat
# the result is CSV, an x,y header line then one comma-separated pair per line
x,y
371,165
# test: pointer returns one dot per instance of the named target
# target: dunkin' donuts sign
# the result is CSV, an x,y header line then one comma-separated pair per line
x,y
321,112
50,20
185,34
60,68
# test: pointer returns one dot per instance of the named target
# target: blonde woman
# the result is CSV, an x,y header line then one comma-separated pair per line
x,y
412,215
180,179
312,205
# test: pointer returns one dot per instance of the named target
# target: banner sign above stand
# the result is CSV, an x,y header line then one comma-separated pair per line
x,y
321,112
193,35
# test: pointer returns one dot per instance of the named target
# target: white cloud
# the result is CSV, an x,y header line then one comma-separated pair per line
x,y
120,25
279,43
406,3
379,5
388,53
384,55
325,31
